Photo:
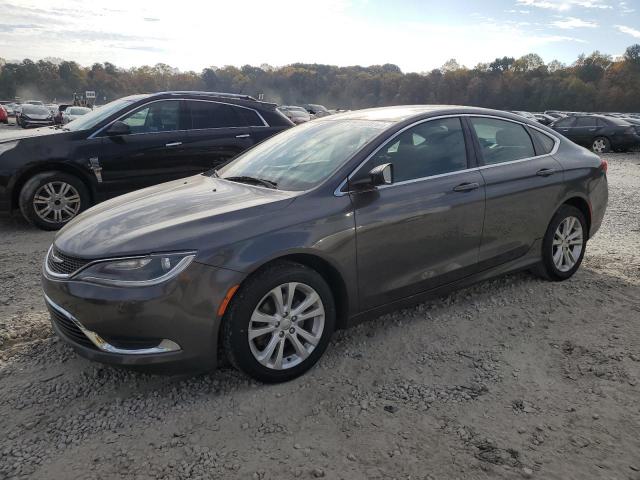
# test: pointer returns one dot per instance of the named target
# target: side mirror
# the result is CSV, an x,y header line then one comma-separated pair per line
x,y
380,175
118,128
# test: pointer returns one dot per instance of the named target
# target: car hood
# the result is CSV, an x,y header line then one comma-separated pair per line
x,y
177,215
36,132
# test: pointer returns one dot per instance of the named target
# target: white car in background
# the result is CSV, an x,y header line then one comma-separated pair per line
x,y
297,115
71,113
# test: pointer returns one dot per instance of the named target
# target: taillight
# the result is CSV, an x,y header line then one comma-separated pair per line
x,y
604,165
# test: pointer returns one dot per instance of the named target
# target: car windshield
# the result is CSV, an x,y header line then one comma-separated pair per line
x,y
34,110
90,120
303,157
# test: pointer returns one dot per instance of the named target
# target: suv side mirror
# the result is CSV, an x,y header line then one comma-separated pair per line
x,y
380,175
118,128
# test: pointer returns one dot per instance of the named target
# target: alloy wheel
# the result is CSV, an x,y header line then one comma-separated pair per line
x,y
600,145
567,244
56,202
286,326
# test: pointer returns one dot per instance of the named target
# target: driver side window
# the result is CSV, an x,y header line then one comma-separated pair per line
x,y
161,116
431,148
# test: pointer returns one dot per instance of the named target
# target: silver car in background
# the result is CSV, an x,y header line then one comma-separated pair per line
x,y
297,115
71,113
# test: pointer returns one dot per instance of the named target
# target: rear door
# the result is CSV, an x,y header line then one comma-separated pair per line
x,y
424,229
584,130
152,153
218,133
523,185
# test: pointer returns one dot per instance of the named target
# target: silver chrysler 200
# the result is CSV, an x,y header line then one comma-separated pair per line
x,y
321,226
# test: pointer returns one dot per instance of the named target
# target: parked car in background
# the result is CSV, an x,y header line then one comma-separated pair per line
x,y
4,116
57,117
296,114
34,116
597,132
544,119
53,174
555,114
317,111
71,113
329,223
526,115
34,102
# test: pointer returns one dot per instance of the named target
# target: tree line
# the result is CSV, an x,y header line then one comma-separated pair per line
x,y
594,82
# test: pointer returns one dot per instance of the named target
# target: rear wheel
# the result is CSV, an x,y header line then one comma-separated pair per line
x,y
564,244
601,145
279,323
49,200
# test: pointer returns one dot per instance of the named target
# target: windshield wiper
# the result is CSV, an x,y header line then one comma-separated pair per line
x,y
260,181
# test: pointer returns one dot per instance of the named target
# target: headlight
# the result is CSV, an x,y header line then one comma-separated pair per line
x,y
137,271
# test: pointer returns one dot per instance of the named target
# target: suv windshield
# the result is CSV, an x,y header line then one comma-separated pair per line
x,y
90,120
302,157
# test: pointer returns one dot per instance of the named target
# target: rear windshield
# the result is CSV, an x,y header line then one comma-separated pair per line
x,y
34,109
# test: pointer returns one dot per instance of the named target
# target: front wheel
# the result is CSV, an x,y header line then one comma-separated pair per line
x,y
564,244
601,145
50,200
279,323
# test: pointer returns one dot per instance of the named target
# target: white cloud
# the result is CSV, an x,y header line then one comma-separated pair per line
x,y
564,5
573,22
626,8
628,30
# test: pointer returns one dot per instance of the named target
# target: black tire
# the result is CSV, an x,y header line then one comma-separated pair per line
x,y
547,268
596,143
32,185
236,320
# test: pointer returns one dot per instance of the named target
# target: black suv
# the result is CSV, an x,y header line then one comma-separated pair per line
x,y
54,173
601,134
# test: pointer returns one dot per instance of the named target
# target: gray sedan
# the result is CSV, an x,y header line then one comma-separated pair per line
x,y
322,226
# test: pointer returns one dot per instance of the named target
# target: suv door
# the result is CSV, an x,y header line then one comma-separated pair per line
x,y
218,133
424,229
523,186
151,153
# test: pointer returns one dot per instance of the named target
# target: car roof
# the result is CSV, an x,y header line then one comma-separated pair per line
x,y
401,113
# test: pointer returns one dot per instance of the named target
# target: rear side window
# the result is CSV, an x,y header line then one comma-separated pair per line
x,y
251,118
545,142
430,148
586,122
214,115
502,141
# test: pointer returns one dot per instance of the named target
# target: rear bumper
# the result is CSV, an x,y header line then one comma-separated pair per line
x,y
172,323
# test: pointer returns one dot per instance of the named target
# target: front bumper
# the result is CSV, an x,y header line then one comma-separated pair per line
x,y
171,323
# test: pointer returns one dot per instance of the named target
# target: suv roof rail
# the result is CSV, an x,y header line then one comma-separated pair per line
x,y
214,94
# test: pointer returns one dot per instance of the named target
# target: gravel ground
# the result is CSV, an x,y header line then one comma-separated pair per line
x,y
512,378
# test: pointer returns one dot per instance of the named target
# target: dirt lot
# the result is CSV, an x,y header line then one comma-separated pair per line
x,y
512,378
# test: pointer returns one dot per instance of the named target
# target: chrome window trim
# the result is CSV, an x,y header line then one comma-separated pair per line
x,y
101,129
339,193
164,346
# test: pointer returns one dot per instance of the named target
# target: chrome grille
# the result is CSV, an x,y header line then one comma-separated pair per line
x,y
62,264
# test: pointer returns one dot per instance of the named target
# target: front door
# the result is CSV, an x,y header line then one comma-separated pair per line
x,y
424,229
153,152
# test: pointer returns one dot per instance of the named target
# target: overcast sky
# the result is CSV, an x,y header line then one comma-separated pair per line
x,y
415,35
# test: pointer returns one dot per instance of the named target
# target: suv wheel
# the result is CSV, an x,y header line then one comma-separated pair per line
x,y
564,244
601,145
279,323
50,200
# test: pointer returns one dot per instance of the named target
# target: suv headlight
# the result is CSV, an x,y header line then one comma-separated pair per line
x,y
137,271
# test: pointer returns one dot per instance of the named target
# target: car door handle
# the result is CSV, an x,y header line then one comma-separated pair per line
x,y
545,172
244,135
466,187
173,144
